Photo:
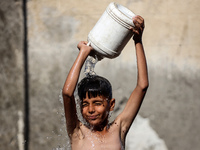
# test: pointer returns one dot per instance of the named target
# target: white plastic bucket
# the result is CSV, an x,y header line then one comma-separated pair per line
x,y
112,31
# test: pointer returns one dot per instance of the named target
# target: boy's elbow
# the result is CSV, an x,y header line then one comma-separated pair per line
x,y
144,86
67,92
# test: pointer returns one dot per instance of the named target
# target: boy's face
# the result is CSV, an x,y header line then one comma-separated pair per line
x,y
95,110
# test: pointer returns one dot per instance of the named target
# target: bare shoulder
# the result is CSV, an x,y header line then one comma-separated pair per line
x,y
119,128
78,131
116,123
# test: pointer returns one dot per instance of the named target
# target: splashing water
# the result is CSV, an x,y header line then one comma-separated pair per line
x,y
89,65
61,136
63,140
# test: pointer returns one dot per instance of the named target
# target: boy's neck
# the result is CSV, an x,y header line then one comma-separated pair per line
x,y
100,128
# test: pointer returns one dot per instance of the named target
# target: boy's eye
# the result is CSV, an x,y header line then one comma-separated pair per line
x,y
84,104
98,103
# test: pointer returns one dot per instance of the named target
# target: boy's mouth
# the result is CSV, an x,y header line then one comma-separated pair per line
x,y
93,117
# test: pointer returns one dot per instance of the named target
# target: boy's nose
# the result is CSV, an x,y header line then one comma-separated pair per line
x,y
91,109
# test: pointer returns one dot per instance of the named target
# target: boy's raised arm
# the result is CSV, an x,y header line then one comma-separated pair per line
x,y
70,85
135,100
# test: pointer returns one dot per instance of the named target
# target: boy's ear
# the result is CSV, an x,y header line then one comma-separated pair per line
x,y
112,104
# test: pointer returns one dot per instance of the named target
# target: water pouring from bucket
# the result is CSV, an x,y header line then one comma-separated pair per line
x,y
90,64
110,35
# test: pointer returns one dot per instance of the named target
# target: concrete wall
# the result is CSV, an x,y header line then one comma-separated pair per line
x,y
171,40
11,72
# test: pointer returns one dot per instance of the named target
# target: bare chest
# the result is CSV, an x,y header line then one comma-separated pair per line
x,y
87,140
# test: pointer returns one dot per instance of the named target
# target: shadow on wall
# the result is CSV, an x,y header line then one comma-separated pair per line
x,y
26,79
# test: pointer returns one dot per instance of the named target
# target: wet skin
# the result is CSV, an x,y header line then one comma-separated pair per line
x,y
95,111
107,139
99,134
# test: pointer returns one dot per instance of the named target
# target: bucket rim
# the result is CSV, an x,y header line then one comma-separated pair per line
x,y
121,14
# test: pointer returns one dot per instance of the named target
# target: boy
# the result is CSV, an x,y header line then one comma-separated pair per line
x,y
96,102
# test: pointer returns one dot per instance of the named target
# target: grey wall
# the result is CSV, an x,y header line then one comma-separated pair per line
x,y
171,41
11,68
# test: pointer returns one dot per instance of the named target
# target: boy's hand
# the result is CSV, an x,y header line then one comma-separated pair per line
x,y
138,29
82,45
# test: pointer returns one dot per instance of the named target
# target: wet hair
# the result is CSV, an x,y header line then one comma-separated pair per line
x,y
95,86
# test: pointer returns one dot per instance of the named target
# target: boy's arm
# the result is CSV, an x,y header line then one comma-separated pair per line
x,y
133,105
70,85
